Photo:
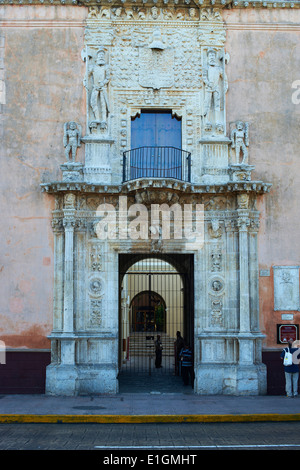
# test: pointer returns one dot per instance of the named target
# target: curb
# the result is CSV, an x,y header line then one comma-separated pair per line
x,y
143,419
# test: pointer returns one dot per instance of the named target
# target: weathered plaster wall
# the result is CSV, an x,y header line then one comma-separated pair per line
x,y
264,48
43,85
41,74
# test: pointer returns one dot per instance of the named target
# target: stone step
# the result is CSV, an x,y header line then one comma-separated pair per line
x,y
140,346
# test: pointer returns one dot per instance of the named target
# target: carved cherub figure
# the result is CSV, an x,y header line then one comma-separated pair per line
x,y
240,141
72,139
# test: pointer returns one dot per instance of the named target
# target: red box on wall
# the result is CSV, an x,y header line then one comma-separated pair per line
x,y
286,332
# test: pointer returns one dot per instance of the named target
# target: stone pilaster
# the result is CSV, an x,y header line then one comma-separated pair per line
x,y
243,223
68,277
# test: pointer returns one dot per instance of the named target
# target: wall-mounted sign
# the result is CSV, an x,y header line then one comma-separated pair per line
x,y
287,332
287,317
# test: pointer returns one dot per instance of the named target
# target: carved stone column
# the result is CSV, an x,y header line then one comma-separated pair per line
x,y
243,223
61,374
254,275
232,272
68,343
251,373
68,277
245,337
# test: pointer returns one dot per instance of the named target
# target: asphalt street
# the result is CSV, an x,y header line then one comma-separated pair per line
x,y
151,437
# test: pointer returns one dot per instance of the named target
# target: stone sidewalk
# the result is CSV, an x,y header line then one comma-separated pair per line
x,y
147,407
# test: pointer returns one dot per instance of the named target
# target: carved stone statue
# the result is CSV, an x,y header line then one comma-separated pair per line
x,y
72,139
215,82
100,73
240,141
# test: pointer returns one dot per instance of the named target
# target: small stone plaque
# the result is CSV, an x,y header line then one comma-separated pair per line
x,y
286,287
287,316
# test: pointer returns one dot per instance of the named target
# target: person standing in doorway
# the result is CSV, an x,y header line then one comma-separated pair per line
x,y
158,352
187,371
291,371
179,344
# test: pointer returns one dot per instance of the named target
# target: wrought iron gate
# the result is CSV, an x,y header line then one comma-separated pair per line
x,y
152,308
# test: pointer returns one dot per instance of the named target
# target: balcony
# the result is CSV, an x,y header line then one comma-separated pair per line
x,y
157,162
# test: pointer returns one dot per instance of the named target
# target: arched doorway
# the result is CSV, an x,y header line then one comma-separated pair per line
x,y
156,298
148,312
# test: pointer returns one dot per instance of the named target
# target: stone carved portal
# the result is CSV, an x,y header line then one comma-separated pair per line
x,y
186,47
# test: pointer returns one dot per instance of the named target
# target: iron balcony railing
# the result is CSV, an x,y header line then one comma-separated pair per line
x,y
157,162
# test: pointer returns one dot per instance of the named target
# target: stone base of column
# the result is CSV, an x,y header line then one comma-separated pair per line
x,y
68,380
61,380
251,380
72,171
230,379
97,168
98,379
215,160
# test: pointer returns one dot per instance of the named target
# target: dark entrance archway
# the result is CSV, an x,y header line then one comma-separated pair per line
x,y
156,298
148,312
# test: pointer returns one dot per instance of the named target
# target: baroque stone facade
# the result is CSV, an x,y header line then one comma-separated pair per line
x,y
160,57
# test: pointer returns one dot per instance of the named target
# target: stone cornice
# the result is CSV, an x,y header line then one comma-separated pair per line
x,y
220,4
257,187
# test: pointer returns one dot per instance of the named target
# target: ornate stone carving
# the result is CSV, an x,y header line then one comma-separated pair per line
x,y
240,141
243,201
286,288
218,203
211,14
215,230
96,313
97,90
72,171
164,57
57,224
216,313
72,139
148,197
95,259
69,201
157,41
156,244
96,286
69,224
243,223
216,85
216,259
240,172
147,13
254,225
216,285
156,65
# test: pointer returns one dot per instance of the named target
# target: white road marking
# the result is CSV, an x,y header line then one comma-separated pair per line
x,y
216,446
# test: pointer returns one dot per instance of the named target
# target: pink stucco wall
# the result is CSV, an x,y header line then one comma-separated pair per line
x,y
43,74
264,46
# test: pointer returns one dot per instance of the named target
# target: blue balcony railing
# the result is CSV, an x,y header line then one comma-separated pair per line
x,y
157,162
